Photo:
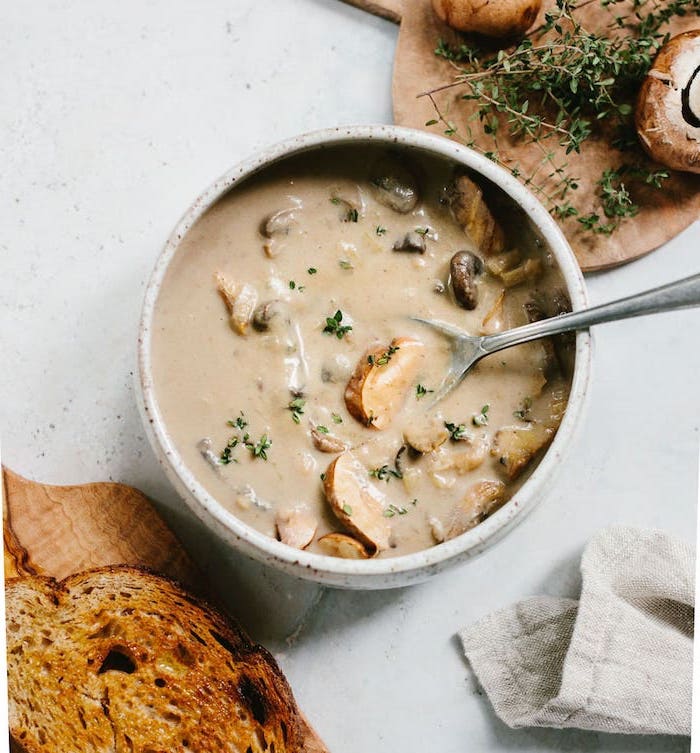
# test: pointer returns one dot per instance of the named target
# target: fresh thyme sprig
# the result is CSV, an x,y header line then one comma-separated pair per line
x,y
564,84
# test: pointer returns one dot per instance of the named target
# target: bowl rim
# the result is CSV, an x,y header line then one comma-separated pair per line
x,y
390,571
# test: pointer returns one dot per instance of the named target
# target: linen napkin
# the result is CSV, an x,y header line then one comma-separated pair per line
x,y
617,660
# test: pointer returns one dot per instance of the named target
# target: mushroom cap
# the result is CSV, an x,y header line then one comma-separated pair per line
x,y
502,19
668,105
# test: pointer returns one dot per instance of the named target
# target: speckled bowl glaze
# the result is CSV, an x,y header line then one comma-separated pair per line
x,y
393,571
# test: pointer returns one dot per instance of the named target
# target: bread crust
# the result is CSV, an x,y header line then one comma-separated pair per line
x,y
122,659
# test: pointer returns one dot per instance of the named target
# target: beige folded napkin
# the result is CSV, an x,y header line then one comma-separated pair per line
x,y
617,660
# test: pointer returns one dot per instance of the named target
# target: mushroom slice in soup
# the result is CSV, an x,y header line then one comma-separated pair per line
x,y
529,271
241,301
464,457
395,186
515,448
323,441
277,226
357,504
350,202
426,436
381,380
342,545
296,526
479,501
466,200
412,243
496,318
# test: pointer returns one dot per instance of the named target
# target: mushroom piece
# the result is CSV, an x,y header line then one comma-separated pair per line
x,y
325,442
395,186
381,380
668,105
205,449
241,301
495,319
350,202
276,226
412,242
269,315
426,436
468,455
465,267
516,448
357,504
279,223
466,200
504,19
296,526
528,271
479,501
342,545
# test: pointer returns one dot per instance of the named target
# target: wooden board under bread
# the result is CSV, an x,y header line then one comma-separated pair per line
x,y
417,69
59,530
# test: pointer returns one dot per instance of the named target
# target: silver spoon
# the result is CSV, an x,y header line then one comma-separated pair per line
x,y
468,349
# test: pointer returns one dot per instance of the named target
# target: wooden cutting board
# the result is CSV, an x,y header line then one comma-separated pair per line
x,y
59,530
417,69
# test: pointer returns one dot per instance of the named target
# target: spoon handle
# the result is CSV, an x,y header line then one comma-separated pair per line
x,y
676,295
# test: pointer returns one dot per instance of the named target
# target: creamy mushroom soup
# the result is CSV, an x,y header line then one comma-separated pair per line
x,y
298,389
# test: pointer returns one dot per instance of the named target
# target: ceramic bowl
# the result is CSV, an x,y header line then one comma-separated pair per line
x,y
393,571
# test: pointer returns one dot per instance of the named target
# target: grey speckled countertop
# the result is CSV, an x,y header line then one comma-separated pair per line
x,y
112,118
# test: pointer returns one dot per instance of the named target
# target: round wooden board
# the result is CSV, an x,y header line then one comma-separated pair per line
x,y
417,69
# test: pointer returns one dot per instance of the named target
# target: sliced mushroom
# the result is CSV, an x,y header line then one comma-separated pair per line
x,y
350,203
565,343
500,263
465,267
480,500
241,301
515,448
342,545
427,435
246,497
668,104
324,442
357,504
535,313
528,271
279,223
205,449
269,315
495,319
437,529
466,200
277,226
463,457
381,380
296,526
413,243
395,186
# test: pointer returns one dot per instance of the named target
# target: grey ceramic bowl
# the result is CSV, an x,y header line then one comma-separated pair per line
x,y
393,571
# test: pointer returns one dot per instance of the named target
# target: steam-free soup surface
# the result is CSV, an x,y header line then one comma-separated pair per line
x,y
295,384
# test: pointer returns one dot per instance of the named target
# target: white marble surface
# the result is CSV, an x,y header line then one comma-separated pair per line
x,y
112,118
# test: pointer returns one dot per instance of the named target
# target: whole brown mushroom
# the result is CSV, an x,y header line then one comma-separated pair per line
x,y
502,19
668,105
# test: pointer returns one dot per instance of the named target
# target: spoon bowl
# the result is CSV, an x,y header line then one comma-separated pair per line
x,y
468,349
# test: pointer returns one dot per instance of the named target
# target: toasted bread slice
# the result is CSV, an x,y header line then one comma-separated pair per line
x,y
119,660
